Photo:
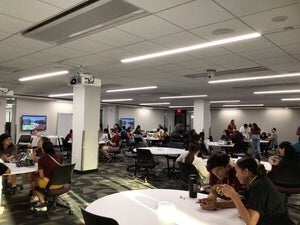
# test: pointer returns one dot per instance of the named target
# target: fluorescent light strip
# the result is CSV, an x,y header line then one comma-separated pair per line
x,y
245,105
117,100
187,96
290,99
192,47
181,106
132,89
254,78
156,103
276,92
60,95
41,76
225,101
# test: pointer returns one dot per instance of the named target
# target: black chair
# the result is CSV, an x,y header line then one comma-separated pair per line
x,y
185,171
239,149
286,180
173,158
144,160
61,176
66,148
24,142
92,219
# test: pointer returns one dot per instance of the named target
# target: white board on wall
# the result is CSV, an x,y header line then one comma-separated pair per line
x,y
64,123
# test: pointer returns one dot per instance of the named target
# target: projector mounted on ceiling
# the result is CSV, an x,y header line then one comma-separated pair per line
x,y
83,19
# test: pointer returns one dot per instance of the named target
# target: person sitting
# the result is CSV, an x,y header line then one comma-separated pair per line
x,y
263,204
69,136
190,157
287,156
203,151
274,139
221,172
46,166
8,153
245,131
111,145
296,144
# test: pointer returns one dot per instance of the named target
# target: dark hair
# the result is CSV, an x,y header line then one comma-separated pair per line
x,y
4,136
274,128
248,162
289,150
193,148
48,148
217,159
45,139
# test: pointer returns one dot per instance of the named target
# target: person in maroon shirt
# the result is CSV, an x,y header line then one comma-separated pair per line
x,y
221,172
111,145
46,166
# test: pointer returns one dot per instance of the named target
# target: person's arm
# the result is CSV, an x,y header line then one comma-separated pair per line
x,y
249,216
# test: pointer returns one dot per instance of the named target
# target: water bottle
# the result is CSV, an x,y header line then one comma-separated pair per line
x,y
193,186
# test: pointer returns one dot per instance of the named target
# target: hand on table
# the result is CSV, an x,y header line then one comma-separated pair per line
x,y
208,204
226,190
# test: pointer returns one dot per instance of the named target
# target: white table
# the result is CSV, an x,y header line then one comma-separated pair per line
x,y
16,170
219,144
163,150
140,207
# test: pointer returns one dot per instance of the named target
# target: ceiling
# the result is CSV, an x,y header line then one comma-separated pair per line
x,y
168,25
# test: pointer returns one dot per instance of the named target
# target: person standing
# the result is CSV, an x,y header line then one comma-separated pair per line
x,y
245,131
274,139
255,137
231,126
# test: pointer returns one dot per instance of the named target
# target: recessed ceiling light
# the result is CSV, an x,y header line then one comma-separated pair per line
x,y
290,99
192,47
156,103
276,92
222,31
117,100
132,89
244,105
254,78
186,96
225,101
60,95
45,75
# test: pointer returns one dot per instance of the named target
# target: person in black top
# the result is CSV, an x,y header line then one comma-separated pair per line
x,y
4,169
263,204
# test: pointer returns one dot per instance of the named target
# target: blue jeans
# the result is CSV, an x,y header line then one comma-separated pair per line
x,y
255,144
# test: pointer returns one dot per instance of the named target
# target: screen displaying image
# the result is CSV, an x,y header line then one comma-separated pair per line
x,y
33,122
127,122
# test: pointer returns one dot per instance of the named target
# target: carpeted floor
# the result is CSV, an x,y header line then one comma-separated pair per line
x,y
111,177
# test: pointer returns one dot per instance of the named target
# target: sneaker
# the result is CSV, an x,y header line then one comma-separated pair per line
x,y
33,199
41,206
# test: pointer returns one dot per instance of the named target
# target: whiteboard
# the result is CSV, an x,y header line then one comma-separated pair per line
x,y
64,124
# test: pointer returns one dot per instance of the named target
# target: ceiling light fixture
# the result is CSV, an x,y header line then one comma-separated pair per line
x,y
132,89
245,105
254,78
225,101
180,106
290,99
60,95
276,92
192,47
187,96
45,75
117,100
156,103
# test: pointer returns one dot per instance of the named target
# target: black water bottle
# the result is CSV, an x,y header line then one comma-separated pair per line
x,y
193,186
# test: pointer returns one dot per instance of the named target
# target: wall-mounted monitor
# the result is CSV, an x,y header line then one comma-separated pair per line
x,y
33,122
127,122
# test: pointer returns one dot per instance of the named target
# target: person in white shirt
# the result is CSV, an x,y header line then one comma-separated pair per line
x,y
245,131
190,157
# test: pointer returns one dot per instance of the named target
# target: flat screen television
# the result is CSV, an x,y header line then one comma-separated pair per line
x,y
127,122
33,122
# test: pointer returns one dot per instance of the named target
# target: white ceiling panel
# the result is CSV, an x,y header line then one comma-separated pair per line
x,y
292,48
8,52
12,25
65,52
149,27
287,37
248,45
263,53
3,35
143,48
195,14
63,4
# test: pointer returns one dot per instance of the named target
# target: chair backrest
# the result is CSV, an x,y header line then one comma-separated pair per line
x,y
144,155
92,219
172,144
186,170
285,176
62,175
25,139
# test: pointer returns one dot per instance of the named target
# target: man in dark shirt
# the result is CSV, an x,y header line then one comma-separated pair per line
x,y
221,172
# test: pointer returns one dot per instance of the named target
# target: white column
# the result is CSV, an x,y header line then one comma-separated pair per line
x,y
201,121
86,116
2,114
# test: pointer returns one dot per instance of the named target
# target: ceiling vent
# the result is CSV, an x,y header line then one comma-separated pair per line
x,y
83,19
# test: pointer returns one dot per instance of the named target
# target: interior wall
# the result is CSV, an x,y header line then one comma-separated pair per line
x,y
41,107
284,120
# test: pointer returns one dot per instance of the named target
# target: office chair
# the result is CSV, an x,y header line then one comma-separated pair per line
x,y
239,149
185,171
92,219
144,160
24,142
61,176
66,148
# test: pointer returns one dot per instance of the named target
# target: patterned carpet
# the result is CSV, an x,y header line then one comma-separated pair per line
x,y
111,177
